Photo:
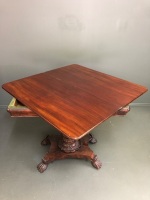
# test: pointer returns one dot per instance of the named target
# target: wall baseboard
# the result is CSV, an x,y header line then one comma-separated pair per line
x,y
139,104
3,106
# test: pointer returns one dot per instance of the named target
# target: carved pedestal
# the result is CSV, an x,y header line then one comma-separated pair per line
x,y
62,148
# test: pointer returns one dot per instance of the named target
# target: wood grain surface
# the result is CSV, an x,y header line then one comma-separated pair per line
x,y
74,99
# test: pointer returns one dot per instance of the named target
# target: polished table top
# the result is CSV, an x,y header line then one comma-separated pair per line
x,y
74,99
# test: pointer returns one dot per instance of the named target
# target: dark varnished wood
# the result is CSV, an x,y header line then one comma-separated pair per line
x,y
74,99
57,153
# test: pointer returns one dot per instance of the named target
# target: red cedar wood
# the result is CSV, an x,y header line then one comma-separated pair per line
x,y
74,99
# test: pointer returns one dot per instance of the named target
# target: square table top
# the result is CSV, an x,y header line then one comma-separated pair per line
x,y
74,99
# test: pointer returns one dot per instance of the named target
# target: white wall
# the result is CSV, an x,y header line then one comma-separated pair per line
x,y
112,36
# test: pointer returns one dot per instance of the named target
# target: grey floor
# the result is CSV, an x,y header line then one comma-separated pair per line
x,y
123,147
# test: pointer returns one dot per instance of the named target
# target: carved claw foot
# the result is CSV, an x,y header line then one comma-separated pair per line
x,y
42,167
92,140
46,141
96,163
123,111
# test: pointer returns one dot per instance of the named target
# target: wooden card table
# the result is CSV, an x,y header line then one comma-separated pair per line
x,y
74,99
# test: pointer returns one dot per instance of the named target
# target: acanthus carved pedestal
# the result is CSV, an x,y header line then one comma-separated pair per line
x,y
62,147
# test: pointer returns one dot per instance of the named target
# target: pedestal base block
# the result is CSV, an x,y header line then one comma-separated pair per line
x,y
62,148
